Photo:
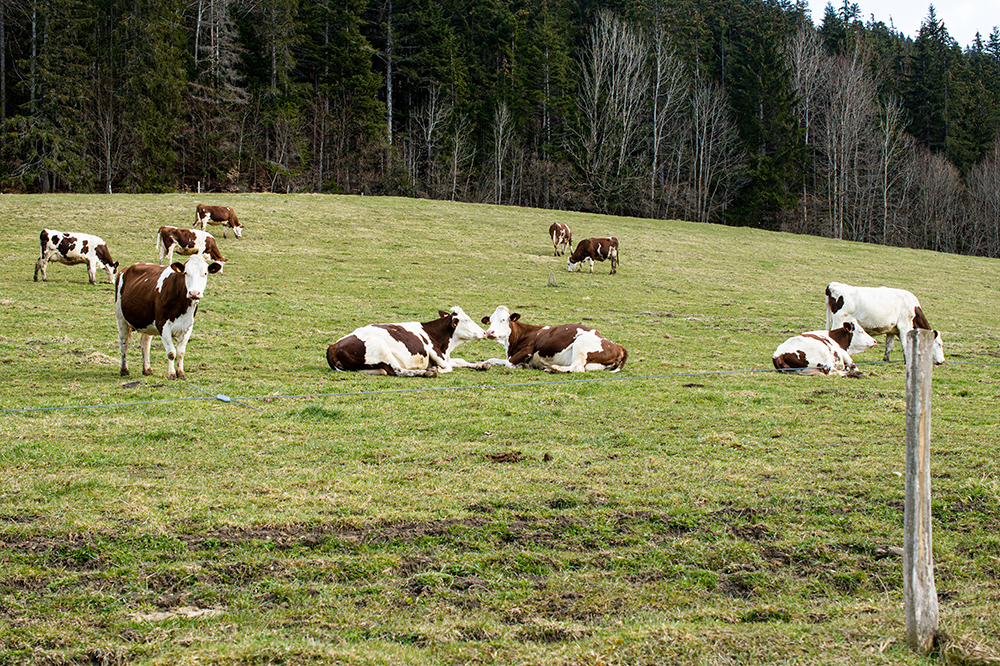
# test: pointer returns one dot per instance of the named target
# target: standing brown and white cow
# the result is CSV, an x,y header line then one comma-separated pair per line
x,y
562,238
565,348
186,242
73,249
223,215
160,300
595,249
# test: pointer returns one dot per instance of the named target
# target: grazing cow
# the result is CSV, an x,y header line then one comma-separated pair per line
x,y
160,300
595,249
186,242
881,311
824,352
562,238
565,348
72,249
409,349
223,215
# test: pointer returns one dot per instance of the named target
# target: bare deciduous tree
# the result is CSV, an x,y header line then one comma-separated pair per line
x,y
851,106
715,156
613,102
983,205
669,90
805,53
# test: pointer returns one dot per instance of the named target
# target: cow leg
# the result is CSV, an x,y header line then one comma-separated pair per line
x,y
591,265
462,363
614,263
181,347
167,337
145,342
124,334
92,270
41,265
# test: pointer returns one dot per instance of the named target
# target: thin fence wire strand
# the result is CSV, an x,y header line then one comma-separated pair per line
x,y
241,400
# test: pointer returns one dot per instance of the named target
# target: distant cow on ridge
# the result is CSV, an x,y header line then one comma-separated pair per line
x,y
594,249
223,215
562,238
73,249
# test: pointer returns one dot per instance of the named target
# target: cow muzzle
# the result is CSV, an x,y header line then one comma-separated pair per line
x,y
195,295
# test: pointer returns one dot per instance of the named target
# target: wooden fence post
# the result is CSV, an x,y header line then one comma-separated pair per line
x,y
919,592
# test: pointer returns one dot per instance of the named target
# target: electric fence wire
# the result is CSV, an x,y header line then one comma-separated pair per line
x,y
242,400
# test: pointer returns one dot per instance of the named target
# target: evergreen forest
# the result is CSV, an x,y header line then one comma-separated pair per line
x,y
742,112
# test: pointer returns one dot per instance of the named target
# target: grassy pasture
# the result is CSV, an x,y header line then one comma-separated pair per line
x,y
682,511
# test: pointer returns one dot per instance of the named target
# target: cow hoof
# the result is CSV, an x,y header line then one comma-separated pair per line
x,y
485,365
147,371
181,375
124,372
171,375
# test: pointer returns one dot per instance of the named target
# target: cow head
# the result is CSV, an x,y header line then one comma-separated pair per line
x,y
237,227
859,339
938,348
462,327
499,324
196,272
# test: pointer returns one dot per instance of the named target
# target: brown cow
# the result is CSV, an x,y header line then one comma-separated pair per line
x,y
186,242
593,249
565,348
223,215
160,300
562,238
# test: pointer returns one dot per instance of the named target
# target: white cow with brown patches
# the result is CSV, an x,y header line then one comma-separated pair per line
x,y
73,248
408,349
186,242
823,352
564,348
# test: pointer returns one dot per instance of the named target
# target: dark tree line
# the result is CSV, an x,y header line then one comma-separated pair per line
x,y
735,111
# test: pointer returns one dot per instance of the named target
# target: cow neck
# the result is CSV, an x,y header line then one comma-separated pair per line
x,y
440,333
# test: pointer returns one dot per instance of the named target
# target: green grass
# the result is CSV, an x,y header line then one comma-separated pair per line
x,y
685,510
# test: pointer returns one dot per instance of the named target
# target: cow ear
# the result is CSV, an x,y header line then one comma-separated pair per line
x,y
485,320
177,266
442,313
848,326
515,316
214,267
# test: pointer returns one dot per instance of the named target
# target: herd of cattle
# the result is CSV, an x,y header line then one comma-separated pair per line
x,y
162,300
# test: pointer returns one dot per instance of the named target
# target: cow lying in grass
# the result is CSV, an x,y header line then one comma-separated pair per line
x,y
408,349
824,352
565,348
